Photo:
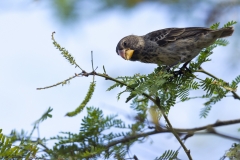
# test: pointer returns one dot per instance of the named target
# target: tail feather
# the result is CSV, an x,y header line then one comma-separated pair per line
x,y
226,32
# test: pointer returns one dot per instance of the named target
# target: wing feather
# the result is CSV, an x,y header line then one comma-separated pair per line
x,y
164,36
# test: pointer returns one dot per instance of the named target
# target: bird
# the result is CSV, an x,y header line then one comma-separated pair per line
x,y
169,46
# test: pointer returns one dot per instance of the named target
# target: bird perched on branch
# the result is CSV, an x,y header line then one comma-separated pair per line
x,y
169,46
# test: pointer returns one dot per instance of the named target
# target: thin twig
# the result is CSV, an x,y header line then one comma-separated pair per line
x,y
220,135
62,82
177,136
92,64
92,60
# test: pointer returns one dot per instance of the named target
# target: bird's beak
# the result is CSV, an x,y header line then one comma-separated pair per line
x,y
126,54
122,53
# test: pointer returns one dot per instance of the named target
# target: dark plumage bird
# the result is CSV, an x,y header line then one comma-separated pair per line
x,y
169,46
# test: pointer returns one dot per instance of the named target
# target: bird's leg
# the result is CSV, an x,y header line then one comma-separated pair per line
x,y
185,66
181,70
168,68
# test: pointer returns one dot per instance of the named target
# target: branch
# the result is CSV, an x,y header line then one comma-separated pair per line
x,y
220,135
38,142
190,132
216,124
156,101
62,82
171,129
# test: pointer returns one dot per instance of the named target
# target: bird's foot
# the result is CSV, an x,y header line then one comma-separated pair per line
x,y
183,69
168,68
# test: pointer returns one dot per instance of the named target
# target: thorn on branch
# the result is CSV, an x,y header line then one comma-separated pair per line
x,y
135,157
188,135
92,60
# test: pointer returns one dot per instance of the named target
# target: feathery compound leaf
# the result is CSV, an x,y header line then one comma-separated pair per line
x,y
213,100
221,42
237,79
120,93
84,102
113,86
204,111
168,99
92,141
8,150
215,26
203,57
209,85
213,86
168,155
44,116
183,94
229,24
235,82
131,96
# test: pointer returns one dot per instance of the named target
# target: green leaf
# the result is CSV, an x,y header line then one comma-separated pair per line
x,y
215,26
204,111
221,42
131,96
168,155
229,24
113,86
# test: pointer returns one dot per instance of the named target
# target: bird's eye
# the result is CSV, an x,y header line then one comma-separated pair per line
x,y
124,43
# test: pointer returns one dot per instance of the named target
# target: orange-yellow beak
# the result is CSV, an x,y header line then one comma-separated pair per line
x,y
126,53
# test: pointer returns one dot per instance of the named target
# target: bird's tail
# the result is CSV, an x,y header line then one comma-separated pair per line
x,y
226,32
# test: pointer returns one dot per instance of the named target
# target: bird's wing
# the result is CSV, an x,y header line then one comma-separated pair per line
x,y
164,36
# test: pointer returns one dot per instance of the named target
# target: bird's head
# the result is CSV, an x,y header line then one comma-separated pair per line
x,y
128,47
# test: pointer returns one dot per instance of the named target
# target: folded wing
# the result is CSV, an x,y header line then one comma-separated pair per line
x,y
168,35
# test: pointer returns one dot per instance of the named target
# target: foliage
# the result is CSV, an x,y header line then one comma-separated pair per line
x,y
169,154
92,141
22,145
234,152
8,150
153,95
231,23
